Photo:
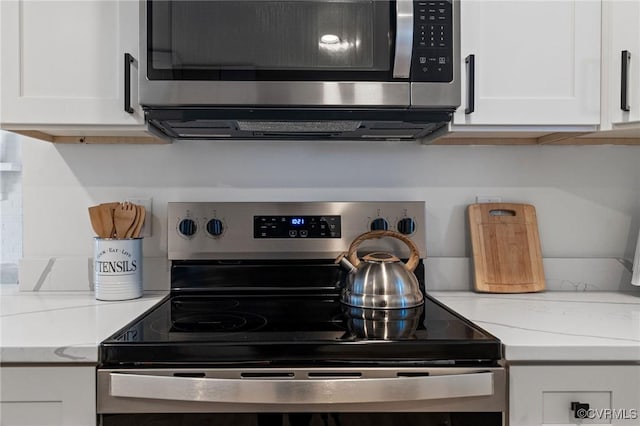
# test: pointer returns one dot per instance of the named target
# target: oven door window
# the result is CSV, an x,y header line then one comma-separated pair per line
x,y
305,419
270,40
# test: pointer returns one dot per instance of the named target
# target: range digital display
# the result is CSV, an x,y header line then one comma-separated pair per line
x,y
297,221
297,226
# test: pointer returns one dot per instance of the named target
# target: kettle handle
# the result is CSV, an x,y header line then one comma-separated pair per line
x,y
414,257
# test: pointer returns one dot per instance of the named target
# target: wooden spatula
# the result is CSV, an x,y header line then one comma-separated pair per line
x,y
123,218
139,221
132,228
106,217
96,221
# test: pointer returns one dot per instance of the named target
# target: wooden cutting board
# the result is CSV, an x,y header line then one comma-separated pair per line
x,y
506,248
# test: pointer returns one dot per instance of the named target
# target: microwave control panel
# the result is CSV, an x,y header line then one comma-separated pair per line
x,y
432,41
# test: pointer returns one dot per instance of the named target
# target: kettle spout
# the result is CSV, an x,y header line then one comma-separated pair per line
x,y
344,262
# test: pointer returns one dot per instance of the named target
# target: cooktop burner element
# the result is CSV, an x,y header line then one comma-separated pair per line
x,y
224,322
208,315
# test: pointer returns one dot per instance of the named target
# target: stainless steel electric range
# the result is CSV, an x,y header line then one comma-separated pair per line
x,y
254,333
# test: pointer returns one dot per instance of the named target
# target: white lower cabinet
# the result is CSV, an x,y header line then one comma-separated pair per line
x,y
556,394
48,396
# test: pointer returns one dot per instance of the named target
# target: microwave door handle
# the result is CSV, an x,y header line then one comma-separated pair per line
x,y
305,391
404,39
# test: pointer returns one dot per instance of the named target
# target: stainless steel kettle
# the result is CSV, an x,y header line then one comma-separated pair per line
x,y
381,280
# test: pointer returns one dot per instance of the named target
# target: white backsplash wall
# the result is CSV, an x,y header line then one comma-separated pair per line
x,y
587,197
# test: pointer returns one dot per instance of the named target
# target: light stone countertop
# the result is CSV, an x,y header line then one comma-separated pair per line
x,y
61,327
67,327
556,326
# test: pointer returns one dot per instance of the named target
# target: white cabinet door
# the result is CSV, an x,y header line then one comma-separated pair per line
x,y
48,396
543,395
624,36
536,62
63,62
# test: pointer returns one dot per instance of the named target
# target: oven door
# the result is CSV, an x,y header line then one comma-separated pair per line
x,y
228,52
280,396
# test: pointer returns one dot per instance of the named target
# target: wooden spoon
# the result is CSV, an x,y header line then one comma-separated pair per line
x,y
123,218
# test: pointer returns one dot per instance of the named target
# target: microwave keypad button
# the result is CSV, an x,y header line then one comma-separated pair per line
x,y
435,18
432,67
422,35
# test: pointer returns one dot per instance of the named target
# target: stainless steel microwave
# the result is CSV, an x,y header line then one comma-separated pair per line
x,y
343,69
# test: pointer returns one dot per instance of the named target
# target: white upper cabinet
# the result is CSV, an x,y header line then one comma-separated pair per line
x,y
63,63
537,63
621,64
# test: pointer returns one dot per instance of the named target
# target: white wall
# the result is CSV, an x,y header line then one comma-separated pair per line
x,y
587,197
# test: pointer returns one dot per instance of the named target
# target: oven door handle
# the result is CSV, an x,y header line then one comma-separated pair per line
x,y
404,39
301,391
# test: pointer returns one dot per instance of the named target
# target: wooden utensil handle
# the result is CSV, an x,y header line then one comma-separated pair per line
x,y
414,257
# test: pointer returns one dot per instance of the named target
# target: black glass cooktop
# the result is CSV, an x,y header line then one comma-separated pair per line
x,y
260,328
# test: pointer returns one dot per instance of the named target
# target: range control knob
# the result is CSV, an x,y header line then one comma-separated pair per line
x,y
215,227
406,226
379,224
187,227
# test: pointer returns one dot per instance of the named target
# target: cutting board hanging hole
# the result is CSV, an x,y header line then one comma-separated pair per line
x,y
502,212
